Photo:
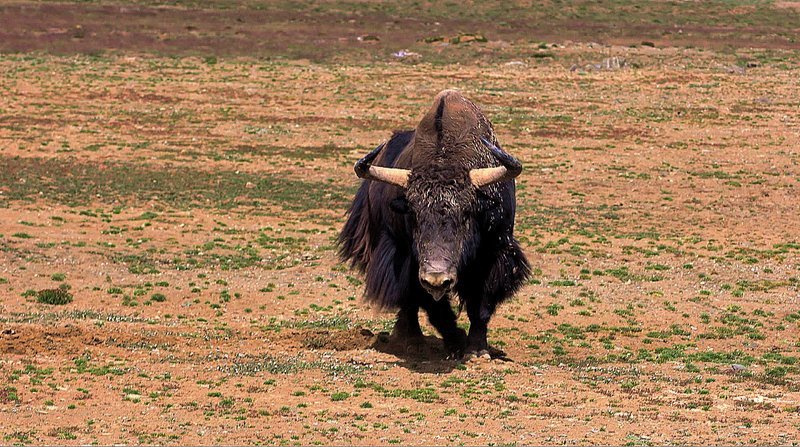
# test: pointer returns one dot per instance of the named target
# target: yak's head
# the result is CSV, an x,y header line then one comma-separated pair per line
x,y
441,205
454,154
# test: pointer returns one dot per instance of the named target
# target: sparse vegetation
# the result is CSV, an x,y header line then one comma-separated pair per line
x,y
187,196
56,297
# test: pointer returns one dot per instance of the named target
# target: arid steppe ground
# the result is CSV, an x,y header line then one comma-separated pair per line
x,y
182,174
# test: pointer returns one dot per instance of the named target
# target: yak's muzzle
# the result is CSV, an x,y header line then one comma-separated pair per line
x,y
438,280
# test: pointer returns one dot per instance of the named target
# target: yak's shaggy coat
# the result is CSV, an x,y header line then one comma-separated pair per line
x,y
439,214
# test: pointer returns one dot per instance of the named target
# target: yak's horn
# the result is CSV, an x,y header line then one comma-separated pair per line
x,y
511,168
393,176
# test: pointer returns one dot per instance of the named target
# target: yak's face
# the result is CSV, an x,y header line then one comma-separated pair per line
x,y
442,206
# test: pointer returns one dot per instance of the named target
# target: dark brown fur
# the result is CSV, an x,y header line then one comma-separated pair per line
x,y
439,217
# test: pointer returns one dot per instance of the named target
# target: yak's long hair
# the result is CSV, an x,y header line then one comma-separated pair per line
x,y
375,239
378,241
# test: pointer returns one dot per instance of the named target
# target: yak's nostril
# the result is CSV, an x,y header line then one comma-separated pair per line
x,y
437,280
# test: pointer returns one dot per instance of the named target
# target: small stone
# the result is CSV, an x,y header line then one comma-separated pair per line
x,y
612,63
735,69
402,54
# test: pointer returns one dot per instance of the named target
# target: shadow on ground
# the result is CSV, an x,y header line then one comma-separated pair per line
x,y
428,356
425,356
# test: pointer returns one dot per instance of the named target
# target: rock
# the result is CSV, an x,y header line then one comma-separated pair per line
x,y
402,54
612,63
607,64
464,38
432,39
735,69
737,368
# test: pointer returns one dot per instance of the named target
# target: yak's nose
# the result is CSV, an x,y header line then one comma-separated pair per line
x,y
438,280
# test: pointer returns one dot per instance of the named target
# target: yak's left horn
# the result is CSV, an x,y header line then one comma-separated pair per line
x,y
393,176
511,168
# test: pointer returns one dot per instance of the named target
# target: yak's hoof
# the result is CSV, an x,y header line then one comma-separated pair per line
x,y
487,352
455,345
454,355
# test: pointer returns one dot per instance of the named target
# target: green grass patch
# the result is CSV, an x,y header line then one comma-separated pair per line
x,y
56,297
78,184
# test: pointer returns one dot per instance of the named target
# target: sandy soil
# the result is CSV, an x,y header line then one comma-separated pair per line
x,y
189,206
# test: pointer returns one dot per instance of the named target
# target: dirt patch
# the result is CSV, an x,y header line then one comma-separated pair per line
x,y
789,5
29,339
69,339
348,340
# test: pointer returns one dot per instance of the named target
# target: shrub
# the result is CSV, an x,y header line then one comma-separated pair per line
x,y
55,297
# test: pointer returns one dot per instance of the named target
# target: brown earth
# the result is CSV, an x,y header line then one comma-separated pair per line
x,y
190,206
368,29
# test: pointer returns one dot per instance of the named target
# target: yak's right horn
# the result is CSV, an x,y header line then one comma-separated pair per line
x,y
392,176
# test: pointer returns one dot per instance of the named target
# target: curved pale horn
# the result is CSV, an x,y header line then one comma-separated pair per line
x,y
511,168
393,176
486,176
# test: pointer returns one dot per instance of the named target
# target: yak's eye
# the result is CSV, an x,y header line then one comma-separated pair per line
x,y
466,216
400,205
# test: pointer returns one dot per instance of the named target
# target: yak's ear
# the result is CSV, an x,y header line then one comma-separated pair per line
x,y
399,205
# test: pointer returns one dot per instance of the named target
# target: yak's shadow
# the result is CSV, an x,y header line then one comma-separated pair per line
x,y
424,355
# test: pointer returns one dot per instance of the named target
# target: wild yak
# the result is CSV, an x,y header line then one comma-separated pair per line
x,y
434,217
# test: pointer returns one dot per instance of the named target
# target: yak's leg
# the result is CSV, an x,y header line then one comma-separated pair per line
x,y
504,276
480,312
406,332
442,317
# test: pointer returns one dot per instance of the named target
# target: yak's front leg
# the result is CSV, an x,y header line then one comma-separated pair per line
x,y
483,292
480,312
406,333
442,317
